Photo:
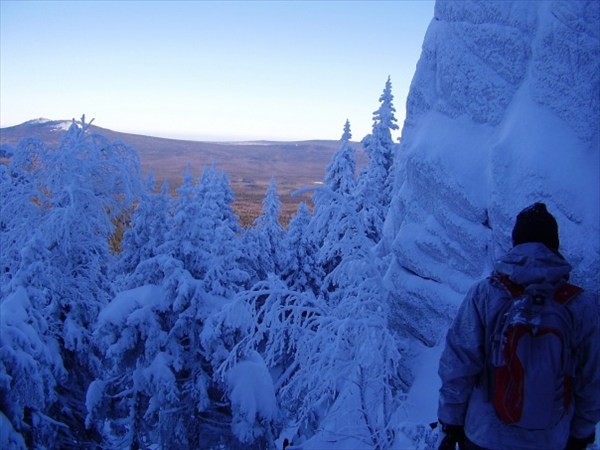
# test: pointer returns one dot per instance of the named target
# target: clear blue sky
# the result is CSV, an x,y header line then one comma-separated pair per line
x,y
215,70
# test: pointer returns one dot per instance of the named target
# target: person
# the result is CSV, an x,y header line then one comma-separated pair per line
x,y
470,404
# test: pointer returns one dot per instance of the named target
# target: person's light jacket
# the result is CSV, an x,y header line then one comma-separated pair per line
x,y
464,397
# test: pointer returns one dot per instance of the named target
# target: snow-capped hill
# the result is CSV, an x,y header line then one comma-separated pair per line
x,y
44,121
63,125
40,120
48,126
503,111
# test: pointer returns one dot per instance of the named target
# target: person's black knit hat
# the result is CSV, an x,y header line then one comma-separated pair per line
x,y
536,224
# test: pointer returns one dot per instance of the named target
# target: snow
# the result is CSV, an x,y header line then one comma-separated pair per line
x,y
252,388
63,125
467,168
58,125
503,111
421,403
9,438
160,377
126,303
252,396
40,120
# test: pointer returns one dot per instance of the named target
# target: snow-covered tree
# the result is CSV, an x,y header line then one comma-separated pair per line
x,y
153,389
156,376
75,192
185,239
336,227
376,179
22,194
147,231
232,337
225,274
30,369
326,358
263,242
340,173
89,181
301,268
204,233
348,360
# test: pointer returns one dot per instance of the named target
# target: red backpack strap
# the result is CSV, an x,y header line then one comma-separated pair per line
x,y
566,292
563,294
515,290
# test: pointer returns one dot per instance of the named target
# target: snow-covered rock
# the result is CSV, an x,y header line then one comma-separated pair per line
x,y
503,111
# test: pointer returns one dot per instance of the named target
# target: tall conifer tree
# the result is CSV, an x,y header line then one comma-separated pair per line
x,y
376,180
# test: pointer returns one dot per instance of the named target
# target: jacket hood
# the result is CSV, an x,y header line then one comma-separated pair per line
x,y
534,266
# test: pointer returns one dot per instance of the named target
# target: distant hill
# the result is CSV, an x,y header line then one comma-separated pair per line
x,y
249,165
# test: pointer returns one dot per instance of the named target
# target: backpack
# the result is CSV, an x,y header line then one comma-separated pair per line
x,y
532,356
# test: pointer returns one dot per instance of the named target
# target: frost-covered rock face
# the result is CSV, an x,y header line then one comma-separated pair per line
x,y
474,57
503,111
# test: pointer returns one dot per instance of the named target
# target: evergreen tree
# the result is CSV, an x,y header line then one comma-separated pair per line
x,y
79,189
340,171
147,233
186,239
336,227
324,356
376,180
224,274
301,269
30,369
264,241
153,389
21,204
156,382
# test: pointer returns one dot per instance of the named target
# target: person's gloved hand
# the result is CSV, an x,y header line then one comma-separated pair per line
x,y
580,444
450,436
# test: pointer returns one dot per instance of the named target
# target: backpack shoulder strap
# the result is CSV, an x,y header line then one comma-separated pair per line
x,y
566,292
562,295
515,290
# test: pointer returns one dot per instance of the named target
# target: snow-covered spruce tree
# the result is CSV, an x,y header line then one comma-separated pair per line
x,y
154,389
269,317
326,359
20,185
154,328
30,362
225,274
185,239
336,226
263,242
81,187
30,368
349,362
376,179
340,172
301,269
147,232
91,182
348,238
204,233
